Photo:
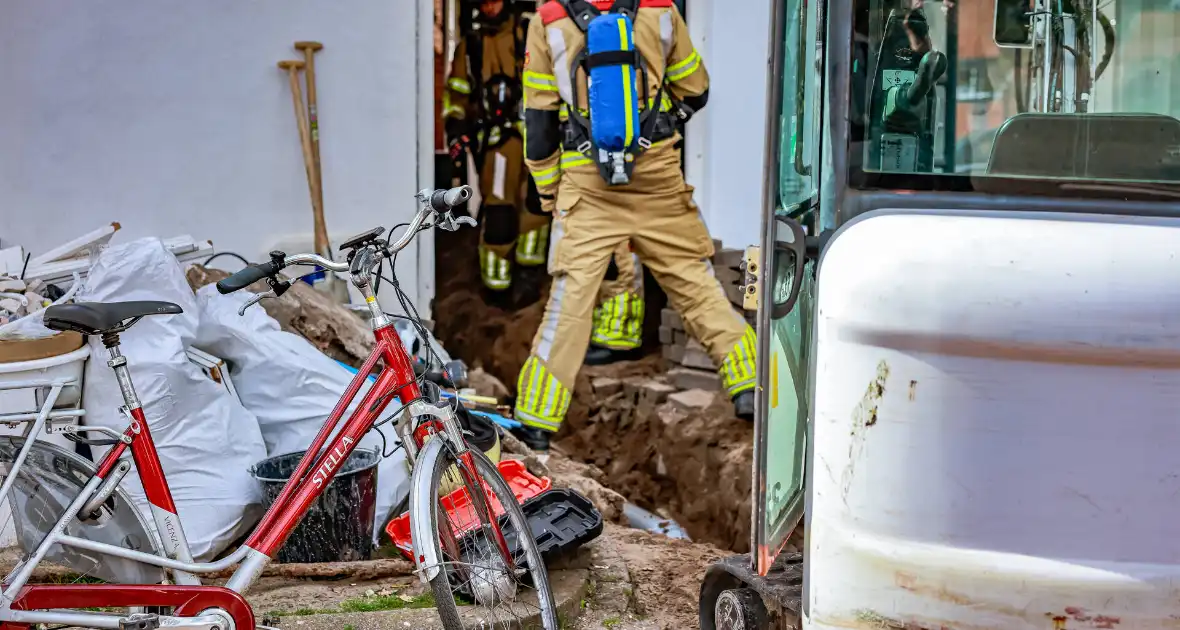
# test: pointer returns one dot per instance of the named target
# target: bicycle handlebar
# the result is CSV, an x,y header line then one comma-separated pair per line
x,y
433,201
248,276
444,200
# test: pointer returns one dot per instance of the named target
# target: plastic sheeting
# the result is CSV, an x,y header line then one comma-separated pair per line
x,y
290,386
206,439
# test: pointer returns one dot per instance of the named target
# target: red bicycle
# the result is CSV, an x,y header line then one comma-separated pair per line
x,y
490,561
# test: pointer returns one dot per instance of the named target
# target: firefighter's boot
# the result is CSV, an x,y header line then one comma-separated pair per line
x,y
536,439
743,405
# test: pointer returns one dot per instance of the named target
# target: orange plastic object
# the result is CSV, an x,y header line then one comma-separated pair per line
x,y
458,504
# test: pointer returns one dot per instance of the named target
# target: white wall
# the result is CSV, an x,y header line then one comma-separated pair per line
x,y
724,143
171,117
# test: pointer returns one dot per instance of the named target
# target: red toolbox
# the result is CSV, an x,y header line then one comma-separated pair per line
x,y
458,504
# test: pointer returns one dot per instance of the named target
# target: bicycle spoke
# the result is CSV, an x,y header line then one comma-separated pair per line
x,y
489,586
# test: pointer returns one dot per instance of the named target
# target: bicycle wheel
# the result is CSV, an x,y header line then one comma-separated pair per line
x,y
475,587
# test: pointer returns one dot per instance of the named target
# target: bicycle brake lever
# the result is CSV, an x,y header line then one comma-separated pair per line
x,y
254,300
451,223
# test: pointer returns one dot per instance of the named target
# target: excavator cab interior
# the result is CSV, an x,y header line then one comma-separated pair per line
x,y
1012,88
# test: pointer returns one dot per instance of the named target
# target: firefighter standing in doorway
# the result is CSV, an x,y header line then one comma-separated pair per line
x,y
602,200
481,114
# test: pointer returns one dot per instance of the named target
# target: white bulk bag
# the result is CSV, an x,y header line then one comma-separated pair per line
x,y
206,440
291,387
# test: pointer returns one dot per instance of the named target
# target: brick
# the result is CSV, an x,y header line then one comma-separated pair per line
x,y
670,318
675,354
653,394
687,378
632,386
692,400
605,386
667,336
697,358
680,338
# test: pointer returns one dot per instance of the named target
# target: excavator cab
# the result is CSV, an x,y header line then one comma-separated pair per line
x,y
968,320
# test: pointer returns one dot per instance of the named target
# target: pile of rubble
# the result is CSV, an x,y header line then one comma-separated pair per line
x,y
19,298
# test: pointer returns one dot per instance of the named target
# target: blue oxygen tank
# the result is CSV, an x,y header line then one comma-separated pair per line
x,y
614,105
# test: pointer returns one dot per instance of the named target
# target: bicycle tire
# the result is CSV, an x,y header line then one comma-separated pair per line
x,y
441,588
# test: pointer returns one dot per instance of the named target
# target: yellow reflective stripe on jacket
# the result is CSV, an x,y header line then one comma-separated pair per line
x,y
684,68
572,159
459,85
737,371
542,401
538,81
547,176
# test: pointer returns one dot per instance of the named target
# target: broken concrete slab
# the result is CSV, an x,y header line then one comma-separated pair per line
x,y
689,378
633,385
605,386
692,400
654,393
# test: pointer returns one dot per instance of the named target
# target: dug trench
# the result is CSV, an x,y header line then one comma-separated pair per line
x,y
684,457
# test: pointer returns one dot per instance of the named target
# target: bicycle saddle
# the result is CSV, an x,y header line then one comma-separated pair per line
x,y
96,318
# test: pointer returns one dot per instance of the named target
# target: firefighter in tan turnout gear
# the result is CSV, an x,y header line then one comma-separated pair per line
x,y
481,113
604,197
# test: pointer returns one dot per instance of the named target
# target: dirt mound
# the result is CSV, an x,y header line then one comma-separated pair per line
x,y
690,465
666,574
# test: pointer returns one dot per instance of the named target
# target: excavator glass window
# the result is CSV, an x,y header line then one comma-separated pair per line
x,y
968,94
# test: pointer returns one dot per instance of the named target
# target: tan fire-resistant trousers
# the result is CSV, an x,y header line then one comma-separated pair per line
x,y
666,231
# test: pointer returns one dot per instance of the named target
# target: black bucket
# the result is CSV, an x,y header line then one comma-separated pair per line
x,y
338,526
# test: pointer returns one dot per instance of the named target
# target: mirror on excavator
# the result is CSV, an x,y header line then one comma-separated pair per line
x,y
991,187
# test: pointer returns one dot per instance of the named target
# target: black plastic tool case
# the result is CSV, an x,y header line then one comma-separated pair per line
x,y
562,520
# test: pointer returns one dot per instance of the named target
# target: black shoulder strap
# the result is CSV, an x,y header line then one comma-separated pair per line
x,y
581,12
627,7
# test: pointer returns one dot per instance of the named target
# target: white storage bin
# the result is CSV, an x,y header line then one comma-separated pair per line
x,y
62,366
30,399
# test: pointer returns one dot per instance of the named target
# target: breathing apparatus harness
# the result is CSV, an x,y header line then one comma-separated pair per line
x,y
614,153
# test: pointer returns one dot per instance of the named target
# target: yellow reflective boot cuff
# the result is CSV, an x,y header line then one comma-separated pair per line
x,y
737,372
618,322
495,271
532,247
541,399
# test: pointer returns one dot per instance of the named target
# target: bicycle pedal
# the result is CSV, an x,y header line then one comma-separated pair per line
x,y
140,621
